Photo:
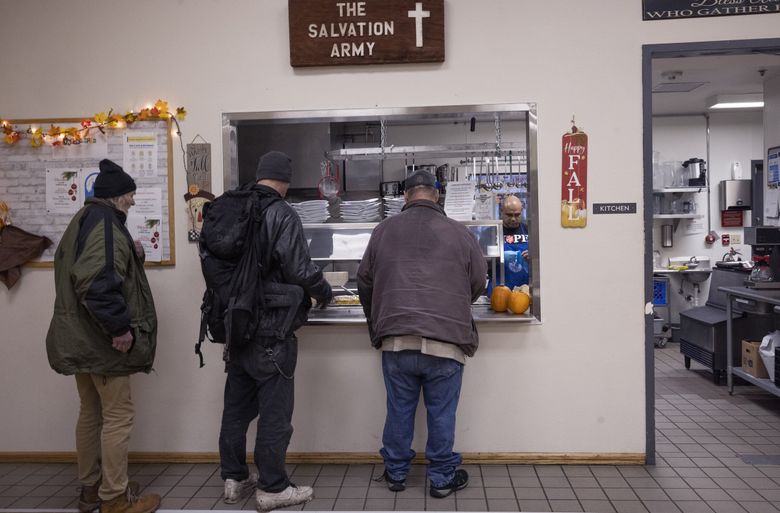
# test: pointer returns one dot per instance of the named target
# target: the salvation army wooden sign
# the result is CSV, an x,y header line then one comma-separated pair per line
x,y
332,33
574,183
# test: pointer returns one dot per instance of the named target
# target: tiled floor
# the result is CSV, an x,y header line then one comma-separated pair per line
x,y
715,453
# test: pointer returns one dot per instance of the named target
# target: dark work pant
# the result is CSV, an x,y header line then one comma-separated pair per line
x,y
255,388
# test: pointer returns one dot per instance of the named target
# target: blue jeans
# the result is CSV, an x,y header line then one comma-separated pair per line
x,y
405,373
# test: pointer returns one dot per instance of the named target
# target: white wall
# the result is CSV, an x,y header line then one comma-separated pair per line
x,y
573,384
771,139
734,136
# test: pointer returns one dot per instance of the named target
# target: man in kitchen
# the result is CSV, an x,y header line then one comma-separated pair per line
x,y
417,279
516,257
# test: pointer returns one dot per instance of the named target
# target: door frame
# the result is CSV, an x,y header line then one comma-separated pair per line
x,y
649,52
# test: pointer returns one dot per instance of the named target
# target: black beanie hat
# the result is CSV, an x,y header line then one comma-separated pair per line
x,y
274,165
112,181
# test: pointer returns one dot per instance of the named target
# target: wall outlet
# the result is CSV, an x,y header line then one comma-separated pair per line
x,y
736,238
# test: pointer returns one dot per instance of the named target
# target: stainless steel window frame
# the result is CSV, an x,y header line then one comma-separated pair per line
x,y
417,115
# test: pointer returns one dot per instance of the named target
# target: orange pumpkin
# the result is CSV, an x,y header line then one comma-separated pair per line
x,y
518,302
499,299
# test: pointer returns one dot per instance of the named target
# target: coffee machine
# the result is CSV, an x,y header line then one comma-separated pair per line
x,y
765,243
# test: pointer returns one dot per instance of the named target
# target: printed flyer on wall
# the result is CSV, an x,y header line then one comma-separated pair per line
x,y
64,194
140,158
145,221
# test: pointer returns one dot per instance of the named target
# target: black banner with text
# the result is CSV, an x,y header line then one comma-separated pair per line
x,y
677,9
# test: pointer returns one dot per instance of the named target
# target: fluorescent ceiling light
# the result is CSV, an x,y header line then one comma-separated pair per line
x,y
736,101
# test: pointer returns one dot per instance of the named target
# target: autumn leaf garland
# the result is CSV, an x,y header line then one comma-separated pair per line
x,y
58,136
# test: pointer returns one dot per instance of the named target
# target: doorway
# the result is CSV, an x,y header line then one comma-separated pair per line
x,y
682,97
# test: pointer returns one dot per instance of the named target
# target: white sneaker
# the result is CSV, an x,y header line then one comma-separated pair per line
x,y
238,490
290,496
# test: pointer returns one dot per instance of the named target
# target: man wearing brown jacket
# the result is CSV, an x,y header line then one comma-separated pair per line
x,y
417,279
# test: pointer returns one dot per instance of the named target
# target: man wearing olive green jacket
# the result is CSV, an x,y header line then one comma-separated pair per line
x,y
104,328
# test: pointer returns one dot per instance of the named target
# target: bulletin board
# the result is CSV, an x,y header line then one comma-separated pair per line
x,y
45,186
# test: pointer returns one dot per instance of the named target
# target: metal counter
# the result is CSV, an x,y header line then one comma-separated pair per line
x,y
338,315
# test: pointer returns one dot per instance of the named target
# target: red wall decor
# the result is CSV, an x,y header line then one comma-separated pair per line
x,y
574,178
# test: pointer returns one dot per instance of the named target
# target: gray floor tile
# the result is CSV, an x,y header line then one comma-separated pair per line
x,y
357,480
682,494
201,503
323,505
549,470
471,492
525,481
565,505
629,507
597,506
307,470
583,482
745,495
577,471
502,505
333,470
328,480
590,494
173,502
499,493
380,493
348,504
328,492
725,507
495,481
406,505
353,492
474,505
445,504
661,507
532,493
557,482
533,505
379,504
182,492
521,470
27,502
621,494
559,494
612,482
772,495
759,507
56,502
495,470
651,494
694,507
210,492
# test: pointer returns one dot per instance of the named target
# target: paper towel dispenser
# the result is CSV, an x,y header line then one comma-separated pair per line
x,y
735,194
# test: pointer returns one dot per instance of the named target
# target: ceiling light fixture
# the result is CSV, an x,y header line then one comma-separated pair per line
x,y
736,101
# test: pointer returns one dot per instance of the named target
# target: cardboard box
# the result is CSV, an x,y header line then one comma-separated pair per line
x,y
751,360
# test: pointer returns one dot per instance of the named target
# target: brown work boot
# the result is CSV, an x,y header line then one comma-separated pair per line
x,y
129,503
89,499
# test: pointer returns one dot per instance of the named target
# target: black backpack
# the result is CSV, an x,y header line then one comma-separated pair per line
x,y
230,258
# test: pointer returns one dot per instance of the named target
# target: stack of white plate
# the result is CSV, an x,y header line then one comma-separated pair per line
x,y
363,211
393,205
314,211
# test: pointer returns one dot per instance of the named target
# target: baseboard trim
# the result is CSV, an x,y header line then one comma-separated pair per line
x,y
324,458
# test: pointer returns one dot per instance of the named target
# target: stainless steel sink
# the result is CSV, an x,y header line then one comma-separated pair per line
x,y
696,276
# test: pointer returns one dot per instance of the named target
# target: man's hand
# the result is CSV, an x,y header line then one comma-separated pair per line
x,y
122,343
524,254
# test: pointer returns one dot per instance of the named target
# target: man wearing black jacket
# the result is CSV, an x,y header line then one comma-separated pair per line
x,y
417,279
260,375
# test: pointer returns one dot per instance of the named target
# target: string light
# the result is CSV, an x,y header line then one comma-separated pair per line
x,y
58,136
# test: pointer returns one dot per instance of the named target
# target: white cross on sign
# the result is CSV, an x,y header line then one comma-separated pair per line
x,y
418,14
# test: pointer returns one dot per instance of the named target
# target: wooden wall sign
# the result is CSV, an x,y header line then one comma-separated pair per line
x,y
676,9
574,179
333,33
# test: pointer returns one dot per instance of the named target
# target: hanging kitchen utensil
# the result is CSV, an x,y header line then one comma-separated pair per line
x,y
329,185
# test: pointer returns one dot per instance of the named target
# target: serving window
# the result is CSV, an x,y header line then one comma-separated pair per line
x,y
349,167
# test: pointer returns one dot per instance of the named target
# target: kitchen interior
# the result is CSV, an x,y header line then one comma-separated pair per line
x,y
716,234
349,168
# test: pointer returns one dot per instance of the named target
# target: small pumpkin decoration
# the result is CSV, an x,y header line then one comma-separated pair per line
x,y
499,299
518,301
